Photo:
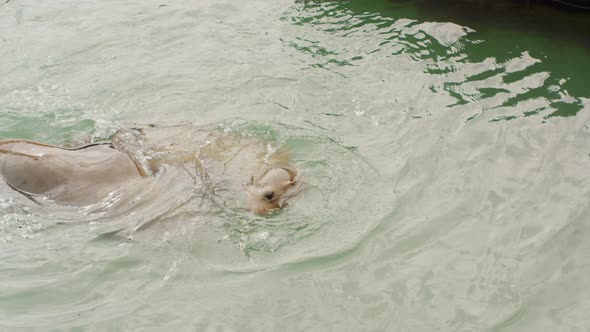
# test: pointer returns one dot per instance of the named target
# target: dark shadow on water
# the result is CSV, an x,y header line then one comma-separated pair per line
x,y
549,17
548,30
552,18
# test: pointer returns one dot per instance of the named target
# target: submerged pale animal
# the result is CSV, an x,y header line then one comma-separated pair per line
x,y
67,176
243,169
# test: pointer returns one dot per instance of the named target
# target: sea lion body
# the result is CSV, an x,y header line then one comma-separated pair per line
x,y
70,177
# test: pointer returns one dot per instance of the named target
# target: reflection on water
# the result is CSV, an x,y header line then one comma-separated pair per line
x,y
445,166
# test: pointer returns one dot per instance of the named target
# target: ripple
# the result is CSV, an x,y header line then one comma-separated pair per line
x,y
444,166
335,37
342,200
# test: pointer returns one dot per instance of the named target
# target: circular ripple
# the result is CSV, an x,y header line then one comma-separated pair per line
x,y
343,199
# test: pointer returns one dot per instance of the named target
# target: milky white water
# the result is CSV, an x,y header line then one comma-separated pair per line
x,y
446,170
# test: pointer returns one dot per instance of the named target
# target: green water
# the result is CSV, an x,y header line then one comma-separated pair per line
x,y
446,168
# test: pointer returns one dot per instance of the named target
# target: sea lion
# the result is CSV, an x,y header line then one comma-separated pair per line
x,y
86,175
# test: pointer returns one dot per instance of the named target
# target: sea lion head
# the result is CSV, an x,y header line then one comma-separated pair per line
x,y
272,189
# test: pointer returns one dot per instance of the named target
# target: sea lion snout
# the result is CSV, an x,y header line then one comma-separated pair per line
x,y
269,195
272,189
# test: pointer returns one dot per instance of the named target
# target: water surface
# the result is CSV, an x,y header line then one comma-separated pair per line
x,y
446,166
